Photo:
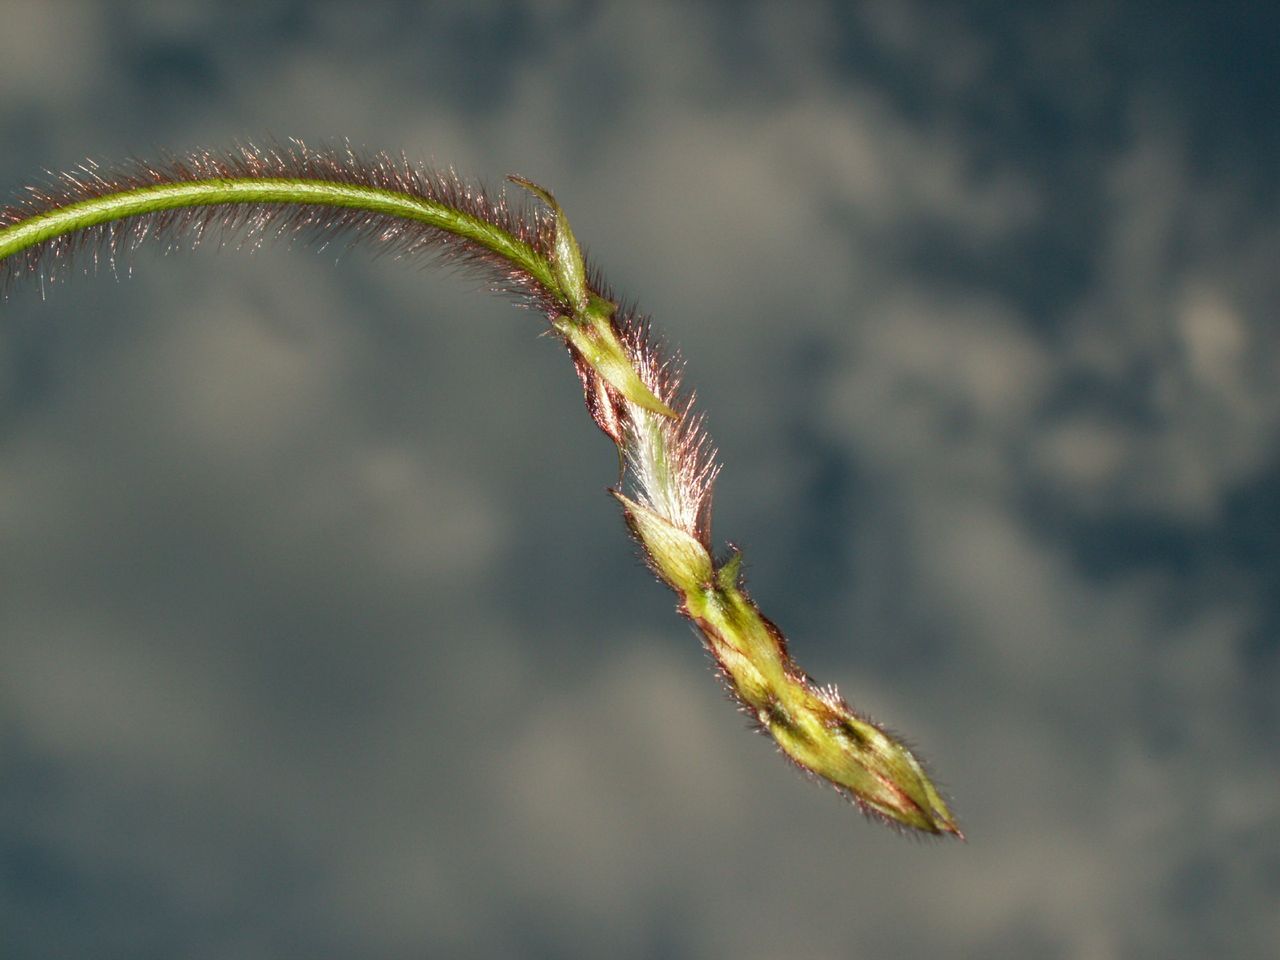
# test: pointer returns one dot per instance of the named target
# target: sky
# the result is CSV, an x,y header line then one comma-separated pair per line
x,y
319,634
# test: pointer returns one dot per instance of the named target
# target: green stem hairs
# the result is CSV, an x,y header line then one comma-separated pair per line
x,y
632,387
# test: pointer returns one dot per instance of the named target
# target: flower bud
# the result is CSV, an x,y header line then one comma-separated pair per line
x,y
675,555
588,326
566,258
594,340
814,727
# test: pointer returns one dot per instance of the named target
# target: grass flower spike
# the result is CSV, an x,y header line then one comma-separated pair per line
x,y
631,385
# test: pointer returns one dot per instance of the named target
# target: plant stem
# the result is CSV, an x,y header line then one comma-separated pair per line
x,y
632,391
202,193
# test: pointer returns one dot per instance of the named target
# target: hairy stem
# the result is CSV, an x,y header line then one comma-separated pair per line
x,y
206,193
632,390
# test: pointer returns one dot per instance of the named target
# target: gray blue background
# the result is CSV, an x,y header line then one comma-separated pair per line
x,y
320,637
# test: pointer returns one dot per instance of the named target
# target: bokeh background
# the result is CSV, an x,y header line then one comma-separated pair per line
x,y
320,637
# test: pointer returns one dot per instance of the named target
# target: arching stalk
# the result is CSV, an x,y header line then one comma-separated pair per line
x,y
632,390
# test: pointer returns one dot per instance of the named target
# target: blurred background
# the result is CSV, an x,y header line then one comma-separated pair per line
x,y
320,636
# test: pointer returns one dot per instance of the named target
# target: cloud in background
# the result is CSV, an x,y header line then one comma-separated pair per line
x,y
318,633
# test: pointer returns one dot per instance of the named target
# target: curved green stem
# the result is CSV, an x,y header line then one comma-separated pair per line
x,y
587,326
201,193
633,394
